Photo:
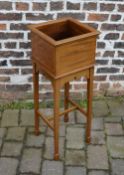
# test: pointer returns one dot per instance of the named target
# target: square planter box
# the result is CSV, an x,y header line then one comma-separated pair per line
x,y
61,47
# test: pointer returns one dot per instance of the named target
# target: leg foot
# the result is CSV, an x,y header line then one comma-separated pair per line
x,y
88,140
37,133
56,157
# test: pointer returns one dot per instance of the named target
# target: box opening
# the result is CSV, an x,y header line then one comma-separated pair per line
x,y
63,30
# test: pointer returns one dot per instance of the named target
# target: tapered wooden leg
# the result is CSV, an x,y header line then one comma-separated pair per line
x,y
36,97
66,104
89,106
56,120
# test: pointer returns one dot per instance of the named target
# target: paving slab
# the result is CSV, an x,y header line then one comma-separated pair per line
x,y
27,174
2,132
97,157
97,137
8,166
11,149
35,141
100,108
75,137
46,112
115,119
31,129
71,119
27,117
75,171
97,124
117,166
114,129
15,133
0,115
75,157
81,119
98,172
52,168
10,118
116,107
116,146
31,161
1,141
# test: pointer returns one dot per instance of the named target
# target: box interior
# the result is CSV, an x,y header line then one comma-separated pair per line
x,y
63,30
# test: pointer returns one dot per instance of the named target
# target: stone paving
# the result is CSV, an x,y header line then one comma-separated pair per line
x,y
23,153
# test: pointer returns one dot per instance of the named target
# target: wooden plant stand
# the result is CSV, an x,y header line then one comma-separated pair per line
x,y
63,50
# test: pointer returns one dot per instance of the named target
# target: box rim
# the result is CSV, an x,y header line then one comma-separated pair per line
x,y
34,28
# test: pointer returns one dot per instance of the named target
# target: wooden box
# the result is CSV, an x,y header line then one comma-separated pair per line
x,y
63,46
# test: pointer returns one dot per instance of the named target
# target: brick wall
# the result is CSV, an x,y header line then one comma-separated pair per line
x,y
15,65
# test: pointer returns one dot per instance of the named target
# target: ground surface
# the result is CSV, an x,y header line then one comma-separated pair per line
x,y
23,153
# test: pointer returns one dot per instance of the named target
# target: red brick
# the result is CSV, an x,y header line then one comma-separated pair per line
x,y
116,85
107,70
120,7
100,78
107,7
122,37
2,88
3,63
107,26
39,16
6,35
104,86
26,71
121,54
10,45
101,62
25,45
120,27
98,54
97,17
22,6
79,16
118,62
100,45
9,71
19,26
92,24
90,6
115,17
7,54
4,79
10,16
73,6
5,5
20,62
56,5
39,6
46,86
108,53
119,45
30,79
111,36
2,26
117,77
18,87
